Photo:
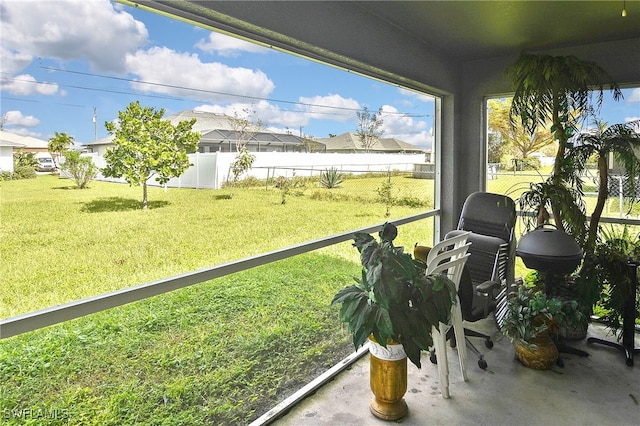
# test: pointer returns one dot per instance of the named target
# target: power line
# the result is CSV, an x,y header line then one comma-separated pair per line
x,y
217,92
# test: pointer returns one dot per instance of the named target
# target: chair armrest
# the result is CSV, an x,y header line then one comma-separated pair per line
x,y
487,287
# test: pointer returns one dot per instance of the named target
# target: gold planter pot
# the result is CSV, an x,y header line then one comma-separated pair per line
x,y
388,380
543,357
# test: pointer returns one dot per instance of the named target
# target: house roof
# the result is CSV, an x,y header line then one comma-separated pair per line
x,y
351,142
216,128
217,135
206,122
12,139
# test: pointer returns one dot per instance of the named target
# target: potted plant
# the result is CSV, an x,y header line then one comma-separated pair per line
x,y
394,305
530,318
567,288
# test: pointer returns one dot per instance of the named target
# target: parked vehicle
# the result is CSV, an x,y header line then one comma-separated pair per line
x,y
45,164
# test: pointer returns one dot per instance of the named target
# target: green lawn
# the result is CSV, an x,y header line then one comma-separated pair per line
x,y
60,244
220,352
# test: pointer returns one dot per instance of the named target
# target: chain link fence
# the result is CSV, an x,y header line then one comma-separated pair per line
x,y
618,205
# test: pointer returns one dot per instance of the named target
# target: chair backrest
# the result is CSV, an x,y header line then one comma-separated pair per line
x,y
489,214
449,256
491,218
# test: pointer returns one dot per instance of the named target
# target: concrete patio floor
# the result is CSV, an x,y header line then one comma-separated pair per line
x,y
597,390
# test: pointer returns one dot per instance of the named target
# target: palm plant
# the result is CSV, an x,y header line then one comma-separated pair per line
x,y
618,140
557,90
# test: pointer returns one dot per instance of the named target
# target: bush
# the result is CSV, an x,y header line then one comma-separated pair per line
x,y
249,182
21,158
81,169
409,201
24,172
6,175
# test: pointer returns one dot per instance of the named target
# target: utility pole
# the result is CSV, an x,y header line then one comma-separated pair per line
x,y
95,125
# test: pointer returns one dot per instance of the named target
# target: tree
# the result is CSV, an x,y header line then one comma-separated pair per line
x,y
557,90
496,147
243,162
81,169
58,145
243,130
369,127
520,140
243,127
618,140
148,146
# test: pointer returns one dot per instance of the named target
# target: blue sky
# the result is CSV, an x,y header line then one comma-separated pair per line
x,y
59,62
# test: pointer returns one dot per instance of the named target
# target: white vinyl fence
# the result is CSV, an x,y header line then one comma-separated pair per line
x,y
211,170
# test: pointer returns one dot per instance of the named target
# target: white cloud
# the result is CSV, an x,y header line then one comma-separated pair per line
x,y
69,30
329,107
15,118
12,61
225,45
406,128
634,96
26,84
215,82
395,122
26,132
270,115
422,140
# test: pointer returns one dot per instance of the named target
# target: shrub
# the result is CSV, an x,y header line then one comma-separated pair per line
x,y
249,182
295,185
81,169
409,201
24,172
21,158
331,178
6,175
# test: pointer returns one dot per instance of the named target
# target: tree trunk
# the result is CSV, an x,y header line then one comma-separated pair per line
x,y
562,143
145,203
603,193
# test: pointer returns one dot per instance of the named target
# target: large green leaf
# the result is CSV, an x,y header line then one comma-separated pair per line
x,y
384,324
362,324
347,293
412,351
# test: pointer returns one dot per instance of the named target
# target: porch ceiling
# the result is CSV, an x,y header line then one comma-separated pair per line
x,y
453,30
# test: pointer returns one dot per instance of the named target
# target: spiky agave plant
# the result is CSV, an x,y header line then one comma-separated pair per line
x,y
331,178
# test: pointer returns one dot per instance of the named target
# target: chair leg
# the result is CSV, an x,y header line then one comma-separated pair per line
x,y
488,343
481,361
459,332
439,340
487,339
